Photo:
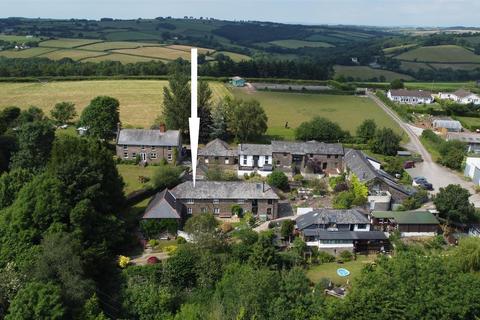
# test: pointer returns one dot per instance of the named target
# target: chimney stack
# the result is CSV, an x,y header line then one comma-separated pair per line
x,y
162,127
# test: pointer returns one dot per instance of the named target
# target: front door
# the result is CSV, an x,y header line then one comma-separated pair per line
x,y
255,161
143,156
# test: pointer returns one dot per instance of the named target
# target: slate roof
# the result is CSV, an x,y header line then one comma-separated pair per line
x,y
247,149
345,235
407,217
224,190
461,93
144,137
448,124
218,148
411,93
357,162
309,147
466,137
321,216
162,207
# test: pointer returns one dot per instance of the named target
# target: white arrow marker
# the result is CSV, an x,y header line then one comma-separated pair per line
x,y
194,120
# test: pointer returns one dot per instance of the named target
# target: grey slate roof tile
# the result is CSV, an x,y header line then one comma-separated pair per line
x,y
325,216
218,148
144,137
162,207
309,147
224,190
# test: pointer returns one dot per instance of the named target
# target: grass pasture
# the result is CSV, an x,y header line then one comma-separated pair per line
x,y
295,44
156,52
367,73
414,66
188,48
237,57
6,37
104,46
28,53
122,58
444,53
295,108
130,174
140,100
72,54
398,48
67,43
469,122
440,86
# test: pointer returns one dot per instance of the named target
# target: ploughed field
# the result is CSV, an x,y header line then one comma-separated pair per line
x,y
141,102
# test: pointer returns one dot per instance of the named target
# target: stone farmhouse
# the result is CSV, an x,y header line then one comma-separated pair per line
x,y
306,158
217,197
410,96
150,145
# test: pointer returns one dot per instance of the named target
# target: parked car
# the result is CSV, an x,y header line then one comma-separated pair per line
x,y
409,164
422,182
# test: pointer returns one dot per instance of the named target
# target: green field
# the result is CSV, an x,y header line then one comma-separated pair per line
x,y
295,44
398,48
456,66
414,66
72,54
103,46
28,53
67,43
140,100
444,53
295,108
469,122
122,58
237,57
329,270
441,86
367,73
12,38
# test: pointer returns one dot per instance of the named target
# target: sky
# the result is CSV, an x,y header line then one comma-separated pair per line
x,y
357,12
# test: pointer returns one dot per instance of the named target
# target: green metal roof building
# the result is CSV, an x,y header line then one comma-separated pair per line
x,y
409,223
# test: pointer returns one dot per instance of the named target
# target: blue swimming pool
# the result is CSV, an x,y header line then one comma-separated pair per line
x,y
342,272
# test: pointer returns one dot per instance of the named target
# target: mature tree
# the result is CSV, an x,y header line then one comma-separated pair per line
x,y
286,230
204,231
411,286
452,154
143,295
166,176
63,112
468,254
101,117
87,170
34,145
92,309
204,111
11,183
10,282
248,121
32,114
397,84
8,117
60,262
180,268
37,301
8,145
176,102
385,142
344,200
320,129
221,115
278,179
360,191
453,204
246,293
366,131
263,251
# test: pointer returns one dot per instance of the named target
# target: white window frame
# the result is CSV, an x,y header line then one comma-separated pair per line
x,y
169,157
125,147
241,201
204,210
190,201
216,201
206,159
216,210
153,148
134,154
227,161
189,210
153,156
169,148
143,147
125,155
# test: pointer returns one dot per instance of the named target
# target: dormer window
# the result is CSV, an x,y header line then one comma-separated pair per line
x,y
125,147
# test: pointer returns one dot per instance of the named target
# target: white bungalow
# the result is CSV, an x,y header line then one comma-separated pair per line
x,y
410,96
461,96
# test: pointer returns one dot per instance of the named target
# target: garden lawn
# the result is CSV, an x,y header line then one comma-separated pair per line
x,y
329,270
130,174
140,100
471,123
348,111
